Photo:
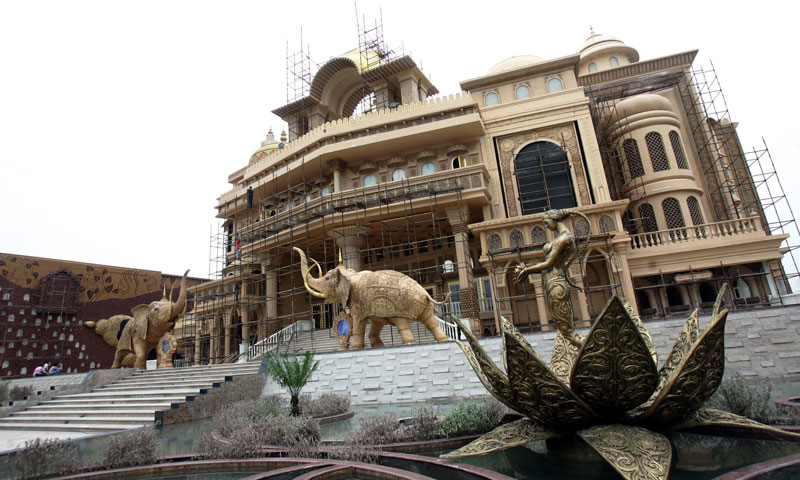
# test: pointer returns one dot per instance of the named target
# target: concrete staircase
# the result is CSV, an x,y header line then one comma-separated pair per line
x,y
321,341
126,403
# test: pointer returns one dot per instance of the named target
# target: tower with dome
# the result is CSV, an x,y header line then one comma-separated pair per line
x,y
377,170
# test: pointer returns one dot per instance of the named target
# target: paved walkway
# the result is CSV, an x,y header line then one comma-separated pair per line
x,y
14,439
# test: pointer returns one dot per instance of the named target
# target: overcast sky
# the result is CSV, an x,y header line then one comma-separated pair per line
x,y
120,121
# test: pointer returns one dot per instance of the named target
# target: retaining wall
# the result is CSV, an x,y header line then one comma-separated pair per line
x,y
764,343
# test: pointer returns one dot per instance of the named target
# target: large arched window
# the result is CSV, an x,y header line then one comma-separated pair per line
x,y
428,168
523,92
554,85
490,99
677,149
694,211
633,158
658,156
673,214
648,218
543,178
398,174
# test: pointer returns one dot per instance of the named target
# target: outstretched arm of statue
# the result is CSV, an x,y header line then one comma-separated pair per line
x,y
549,261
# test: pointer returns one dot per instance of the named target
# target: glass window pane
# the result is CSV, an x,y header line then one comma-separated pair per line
x,y
491,98
554,85
614,62
398,174
428,168
523,92
592,67
325,191
370,180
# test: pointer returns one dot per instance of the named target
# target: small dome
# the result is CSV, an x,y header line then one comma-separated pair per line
x,y
646,102
514,63
598,42
369,60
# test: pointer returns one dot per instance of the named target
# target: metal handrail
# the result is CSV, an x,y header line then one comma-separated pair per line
x,y
273,341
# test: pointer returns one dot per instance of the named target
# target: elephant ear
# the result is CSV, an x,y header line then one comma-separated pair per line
x,y
140,318
342,288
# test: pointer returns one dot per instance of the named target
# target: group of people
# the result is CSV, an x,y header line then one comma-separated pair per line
x,y
47,369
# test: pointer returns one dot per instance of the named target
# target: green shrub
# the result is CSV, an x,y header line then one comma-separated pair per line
x,y
132,448
748,398
42,458
326,405
472,418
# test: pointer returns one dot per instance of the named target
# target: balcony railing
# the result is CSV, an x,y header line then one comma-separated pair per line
x,y
438,183
683,235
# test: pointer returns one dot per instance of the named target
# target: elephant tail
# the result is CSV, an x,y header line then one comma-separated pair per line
x,y
446,299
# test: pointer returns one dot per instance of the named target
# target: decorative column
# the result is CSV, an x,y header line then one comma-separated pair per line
x,y
541,303
577,279
337,165
245,312
227,321
269,325
459,219
197,332
624,274
350,239
213,339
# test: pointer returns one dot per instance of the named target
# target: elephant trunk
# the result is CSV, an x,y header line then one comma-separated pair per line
x,y
179,306
304,271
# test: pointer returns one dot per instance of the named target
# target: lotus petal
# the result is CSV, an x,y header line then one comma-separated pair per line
x,y
492,377
682,347
709,420
614,371
538,392
635,452
648,340
695,380
505,436
563,358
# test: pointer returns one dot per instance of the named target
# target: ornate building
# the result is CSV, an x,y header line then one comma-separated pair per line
x,y
451,189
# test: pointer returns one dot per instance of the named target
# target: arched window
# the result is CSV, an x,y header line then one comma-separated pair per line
x,y
307,198
324,191
428,168
370,180
523,92
672,212
582,227
495,242
607,224
592,67
708,293
677,148
289,205
694,211
613,62
633,158
543,178
648,218
741,289
458,162
554,85
398,174
490,99
448,266
674,296
538,235
515,239
658,156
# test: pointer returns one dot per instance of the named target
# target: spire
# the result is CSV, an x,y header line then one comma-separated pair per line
x,y
270,138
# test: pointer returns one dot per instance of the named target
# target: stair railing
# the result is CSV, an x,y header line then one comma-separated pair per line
x,y
272,342
450,329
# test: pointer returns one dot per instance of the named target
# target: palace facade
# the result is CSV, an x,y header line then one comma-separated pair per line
x,y
382,171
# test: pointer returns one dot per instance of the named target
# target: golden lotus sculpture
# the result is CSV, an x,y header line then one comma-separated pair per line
x,y
608,391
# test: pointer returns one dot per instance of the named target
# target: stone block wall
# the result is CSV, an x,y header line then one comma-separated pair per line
x,y
764,343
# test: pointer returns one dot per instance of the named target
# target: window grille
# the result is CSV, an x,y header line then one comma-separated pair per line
x,y
543,178
607,224
672,212
648,218
538,235
633,157
495,242
655,146
697,215
582,227
515,239
677,148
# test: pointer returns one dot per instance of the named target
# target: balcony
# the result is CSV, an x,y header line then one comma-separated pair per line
x,y
710,245
474,178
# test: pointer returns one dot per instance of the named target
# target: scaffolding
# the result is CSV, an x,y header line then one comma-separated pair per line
x,y
373,53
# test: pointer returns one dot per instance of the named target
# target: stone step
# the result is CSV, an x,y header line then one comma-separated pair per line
x,y
74,427
82,413
132,393
67,407
114,401
116,420
199,383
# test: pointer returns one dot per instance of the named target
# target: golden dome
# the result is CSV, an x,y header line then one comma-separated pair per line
x,y
369,60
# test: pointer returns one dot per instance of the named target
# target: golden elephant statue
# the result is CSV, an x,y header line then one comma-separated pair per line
x,y
150,322
111,329
380,297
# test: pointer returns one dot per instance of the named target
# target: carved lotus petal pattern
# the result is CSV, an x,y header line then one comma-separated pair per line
x,y
696,379
721,422
635,452
614,371
505,436
492,377
538,392
648,340
563,358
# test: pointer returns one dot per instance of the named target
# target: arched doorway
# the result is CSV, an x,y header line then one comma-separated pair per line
x,y
596,282
674,296
708,294
543,178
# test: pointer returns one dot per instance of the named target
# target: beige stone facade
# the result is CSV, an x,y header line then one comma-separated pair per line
x,y
451,189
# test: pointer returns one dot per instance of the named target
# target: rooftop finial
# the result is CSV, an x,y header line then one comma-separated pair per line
x,y
591,31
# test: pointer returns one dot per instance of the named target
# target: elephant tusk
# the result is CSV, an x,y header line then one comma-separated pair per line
x,y
308,287
169,312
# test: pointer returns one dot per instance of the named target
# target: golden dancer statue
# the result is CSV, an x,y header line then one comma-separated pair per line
x,y
559,254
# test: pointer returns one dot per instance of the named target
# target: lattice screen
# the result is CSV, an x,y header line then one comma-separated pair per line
x,y
607,224
694,211
515,239
538,235
677,148
495,242
658,156
672,212
633,157
648,218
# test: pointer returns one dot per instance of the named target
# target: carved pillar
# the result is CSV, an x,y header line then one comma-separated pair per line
x,y
337,166
245,326
269,324
541,303
624,274
213,339
350,240
227,322
459,219
583,309
197,332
